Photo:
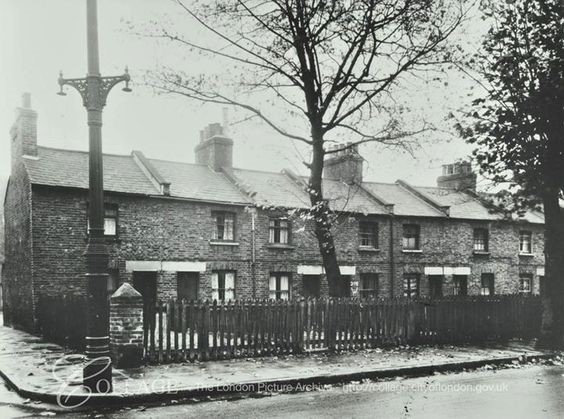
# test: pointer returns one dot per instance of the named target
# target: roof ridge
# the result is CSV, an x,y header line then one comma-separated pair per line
x,y
378,199
68,150
156,178
281,172
231,181
378,183
239,184
437,206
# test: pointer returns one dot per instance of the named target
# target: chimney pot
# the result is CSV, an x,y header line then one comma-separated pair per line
x,y
26,100
214,149
344,165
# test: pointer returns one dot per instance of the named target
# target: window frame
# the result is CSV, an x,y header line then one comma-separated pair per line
x,y
525,277
107,206
373,234
369,292
278,283
185,275
406,236
279,229
456,285
489,277
523,233
221,274
479,241
215,232
407,276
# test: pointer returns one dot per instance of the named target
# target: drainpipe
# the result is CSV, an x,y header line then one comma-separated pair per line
x,y
392,262
253,251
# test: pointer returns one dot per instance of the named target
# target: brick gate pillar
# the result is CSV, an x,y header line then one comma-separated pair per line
x,y
126,327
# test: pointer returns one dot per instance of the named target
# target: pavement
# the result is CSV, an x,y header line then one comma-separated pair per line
x,y
48,373
521,391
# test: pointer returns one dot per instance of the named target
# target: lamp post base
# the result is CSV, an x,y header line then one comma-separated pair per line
x,y
97,375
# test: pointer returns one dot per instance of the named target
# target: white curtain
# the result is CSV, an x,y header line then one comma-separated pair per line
x,y
228,227
229,286
284,287
109,226
283,234
215,286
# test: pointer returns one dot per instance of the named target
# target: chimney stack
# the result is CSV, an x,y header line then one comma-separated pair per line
x,y
214,149
458,176
345,165
24,131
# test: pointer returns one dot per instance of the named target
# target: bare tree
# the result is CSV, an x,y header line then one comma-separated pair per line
x,y
330,65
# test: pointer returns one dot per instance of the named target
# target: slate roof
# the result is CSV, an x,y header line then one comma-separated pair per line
x,y
463,205
271,189
405,202
196,181
69,168
123,174
351,198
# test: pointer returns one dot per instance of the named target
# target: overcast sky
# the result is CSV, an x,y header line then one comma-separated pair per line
x,y
39,38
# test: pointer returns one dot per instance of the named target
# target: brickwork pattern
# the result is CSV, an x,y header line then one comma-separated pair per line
x,y
169,230
126,330
17,287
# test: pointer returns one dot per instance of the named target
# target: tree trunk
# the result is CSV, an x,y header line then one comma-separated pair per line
x,y
320,212
552,331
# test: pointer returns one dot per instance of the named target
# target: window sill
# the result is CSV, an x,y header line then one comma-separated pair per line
x,y
280,246
109,239
480,253
412,251
368,249
527,254
221,243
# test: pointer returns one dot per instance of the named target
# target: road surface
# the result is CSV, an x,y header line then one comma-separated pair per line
x,y
522,392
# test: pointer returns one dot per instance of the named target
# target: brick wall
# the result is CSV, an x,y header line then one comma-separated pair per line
x,y
450,243
148,230
158,229
126,327
18,266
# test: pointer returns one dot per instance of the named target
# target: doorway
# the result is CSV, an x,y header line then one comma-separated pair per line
x,y
435,286
343,288
146,284
312,286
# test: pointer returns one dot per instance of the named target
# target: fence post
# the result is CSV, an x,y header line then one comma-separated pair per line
x,y
126,327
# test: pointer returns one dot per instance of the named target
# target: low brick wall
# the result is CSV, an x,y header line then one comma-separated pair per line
x,y
126,327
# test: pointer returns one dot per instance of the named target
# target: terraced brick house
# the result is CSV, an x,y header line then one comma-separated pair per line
x,y
209,230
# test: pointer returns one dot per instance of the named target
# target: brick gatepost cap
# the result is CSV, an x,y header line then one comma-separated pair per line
x,y
126,292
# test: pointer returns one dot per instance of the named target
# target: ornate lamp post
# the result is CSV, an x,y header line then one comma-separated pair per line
x,y
94,89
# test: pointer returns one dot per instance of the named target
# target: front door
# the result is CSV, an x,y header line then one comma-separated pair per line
x,y
435,286
312,286
146,284
187,285
343,288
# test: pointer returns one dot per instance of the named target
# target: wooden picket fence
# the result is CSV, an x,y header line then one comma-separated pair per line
x,y
179,331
